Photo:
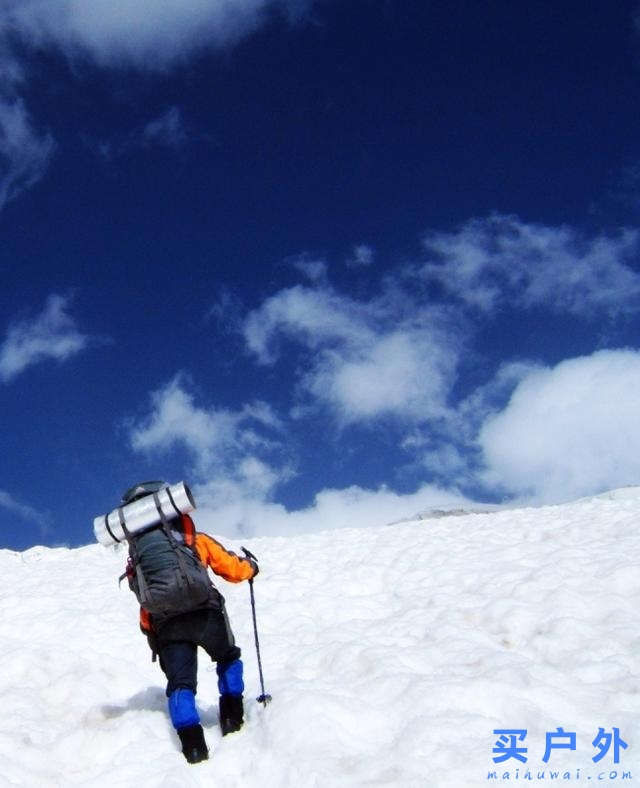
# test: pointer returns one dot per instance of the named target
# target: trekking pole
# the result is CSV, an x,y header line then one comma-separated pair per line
x,y
263,698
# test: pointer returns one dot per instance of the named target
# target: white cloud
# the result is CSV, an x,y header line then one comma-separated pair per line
x,y
150,34
24,153
387,356
314,270
445,461
407,372
175,419
167,129
501,259
226,444
568,431
146,34
51,335
352,507
362,255
247,482
234,480
392,356
487,399
313,317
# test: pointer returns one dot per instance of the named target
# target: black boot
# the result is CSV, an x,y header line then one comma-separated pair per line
x,y
231,713
194,747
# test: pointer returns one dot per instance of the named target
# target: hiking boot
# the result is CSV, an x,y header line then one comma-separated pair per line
x,y
231,713
194,747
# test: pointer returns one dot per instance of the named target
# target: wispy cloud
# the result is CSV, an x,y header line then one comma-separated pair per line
x,y
312,268
365,359
313,316
150,35
24,153
166,130
503,260
362,255
231,449
52,334
24,511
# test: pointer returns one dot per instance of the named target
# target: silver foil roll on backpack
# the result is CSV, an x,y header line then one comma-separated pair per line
x,y
172,501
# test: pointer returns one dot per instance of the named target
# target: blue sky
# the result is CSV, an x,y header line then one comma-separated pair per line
x,y
330,262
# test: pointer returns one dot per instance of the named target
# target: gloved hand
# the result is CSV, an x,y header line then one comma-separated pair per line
x,y
250,557
254,566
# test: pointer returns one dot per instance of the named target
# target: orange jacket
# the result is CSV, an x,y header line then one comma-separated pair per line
x,y
213,555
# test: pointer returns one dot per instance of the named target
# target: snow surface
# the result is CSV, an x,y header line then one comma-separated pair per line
x,y
392,654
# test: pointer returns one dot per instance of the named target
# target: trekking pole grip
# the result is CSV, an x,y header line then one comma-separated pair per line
x,y
249,554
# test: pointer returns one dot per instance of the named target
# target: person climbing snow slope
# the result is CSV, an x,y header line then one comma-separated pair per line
x,y
181,610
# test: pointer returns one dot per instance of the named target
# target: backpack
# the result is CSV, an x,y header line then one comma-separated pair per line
x,y
165,573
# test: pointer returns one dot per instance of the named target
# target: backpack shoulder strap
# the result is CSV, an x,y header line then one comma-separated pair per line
x,y
166,527
189,531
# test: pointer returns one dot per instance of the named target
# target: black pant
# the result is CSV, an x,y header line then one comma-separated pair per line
x,y
178,642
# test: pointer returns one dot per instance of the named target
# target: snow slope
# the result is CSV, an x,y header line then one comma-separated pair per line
x,y
392,654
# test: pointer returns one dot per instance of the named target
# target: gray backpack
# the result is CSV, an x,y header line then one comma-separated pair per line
x,y
165,574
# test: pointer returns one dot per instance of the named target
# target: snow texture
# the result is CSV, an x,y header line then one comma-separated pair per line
x,y
392,654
